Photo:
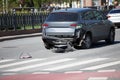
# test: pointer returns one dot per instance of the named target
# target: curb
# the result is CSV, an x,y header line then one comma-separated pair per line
x,y
19,36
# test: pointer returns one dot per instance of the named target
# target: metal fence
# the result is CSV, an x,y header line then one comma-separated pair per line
x,y
22,21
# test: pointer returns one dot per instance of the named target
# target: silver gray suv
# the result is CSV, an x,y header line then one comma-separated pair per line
x,y
77,27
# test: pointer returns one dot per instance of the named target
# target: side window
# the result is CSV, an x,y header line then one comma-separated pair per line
x,y
98,15
88,15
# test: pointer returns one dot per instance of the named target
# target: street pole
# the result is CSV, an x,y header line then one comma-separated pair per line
x,y
7,6
107,1
3,2
82,3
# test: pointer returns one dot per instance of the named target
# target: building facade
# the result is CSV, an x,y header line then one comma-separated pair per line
x,y
84,3
88,3
91,3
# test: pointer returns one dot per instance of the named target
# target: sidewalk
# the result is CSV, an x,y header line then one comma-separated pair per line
x,y
19,36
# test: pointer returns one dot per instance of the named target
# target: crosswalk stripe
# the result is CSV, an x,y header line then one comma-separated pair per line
x,y
112,70
8,73
6,60
97,78
41,64
102,66
41,73
19,63
69,72
75,64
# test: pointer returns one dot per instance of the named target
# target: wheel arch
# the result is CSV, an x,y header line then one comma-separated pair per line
x,y
112,28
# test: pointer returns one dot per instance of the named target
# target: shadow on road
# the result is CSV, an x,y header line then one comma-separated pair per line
x,y
60,50
103,44
95,45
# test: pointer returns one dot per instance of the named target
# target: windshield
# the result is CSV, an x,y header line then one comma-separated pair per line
x,y
62,16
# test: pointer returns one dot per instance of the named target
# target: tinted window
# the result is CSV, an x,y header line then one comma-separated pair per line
x,y
88,16
98,15
62,16
114,11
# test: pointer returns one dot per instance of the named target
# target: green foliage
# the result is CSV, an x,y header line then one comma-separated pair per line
x,y
37,3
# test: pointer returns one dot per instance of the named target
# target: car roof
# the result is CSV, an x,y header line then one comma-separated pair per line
x,y
116,9
76,10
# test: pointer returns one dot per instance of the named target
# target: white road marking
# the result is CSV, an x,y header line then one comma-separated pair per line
x,y
75,64
113,70
73,72
9,74
102,66
20,63
41,73
98,78
41,64
6,60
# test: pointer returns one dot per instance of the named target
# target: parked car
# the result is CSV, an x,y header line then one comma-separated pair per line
x,y
79,27
114,16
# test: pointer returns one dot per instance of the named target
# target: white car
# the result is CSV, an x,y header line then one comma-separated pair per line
x,y
114,16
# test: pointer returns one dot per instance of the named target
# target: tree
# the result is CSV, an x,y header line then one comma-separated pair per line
x,y
21,2
30,3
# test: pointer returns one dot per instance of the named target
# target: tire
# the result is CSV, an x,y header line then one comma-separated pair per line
x,y
47,46
111,37
87,42
77,47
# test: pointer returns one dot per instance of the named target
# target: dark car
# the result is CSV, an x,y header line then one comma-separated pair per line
x,y
77,27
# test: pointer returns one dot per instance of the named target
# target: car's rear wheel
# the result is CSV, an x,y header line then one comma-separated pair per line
x,y
111,37
87,42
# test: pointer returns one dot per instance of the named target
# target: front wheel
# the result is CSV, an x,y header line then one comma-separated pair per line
x,y
111,37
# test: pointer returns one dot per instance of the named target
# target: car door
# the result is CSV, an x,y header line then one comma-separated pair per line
x,y
92,24
101,27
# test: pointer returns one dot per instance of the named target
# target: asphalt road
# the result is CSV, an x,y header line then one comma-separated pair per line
x,y
28,56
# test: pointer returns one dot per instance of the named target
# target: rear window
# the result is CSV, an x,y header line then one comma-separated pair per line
x,y
62,16
114,11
